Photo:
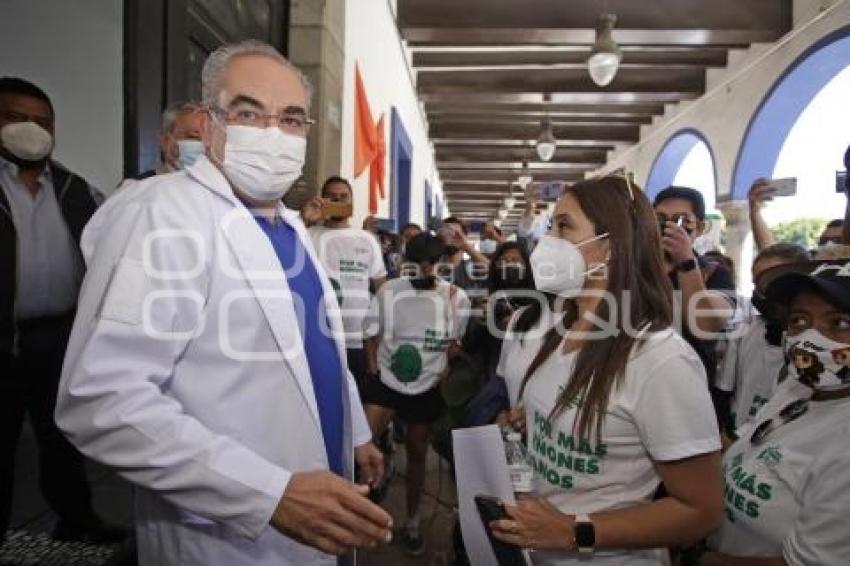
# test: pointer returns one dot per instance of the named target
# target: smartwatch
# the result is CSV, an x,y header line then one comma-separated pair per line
x,y
687,265
585,535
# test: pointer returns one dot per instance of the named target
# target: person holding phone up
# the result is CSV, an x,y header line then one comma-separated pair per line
x,y
352,259
612,399
705,291
763,191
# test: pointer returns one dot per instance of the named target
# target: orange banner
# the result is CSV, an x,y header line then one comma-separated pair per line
x,y
370,150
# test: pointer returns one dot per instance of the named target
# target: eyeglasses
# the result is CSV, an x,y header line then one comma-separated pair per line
x,y
292,122
791,412
828,241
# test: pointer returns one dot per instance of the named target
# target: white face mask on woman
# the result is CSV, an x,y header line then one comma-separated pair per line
x,y
27,140
263,163
558,266
821,363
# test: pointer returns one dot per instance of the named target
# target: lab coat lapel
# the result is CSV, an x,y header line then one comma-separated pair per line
x,y
258,265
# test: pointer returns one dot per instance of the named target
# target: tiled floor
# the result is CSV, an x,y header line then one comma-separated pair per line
x,y
31,515
113,501
437,513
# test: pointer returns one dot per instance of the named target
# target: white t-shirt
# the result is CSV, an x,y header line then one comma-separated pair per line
x,y
661,412
351,258
750,370
789,496
416,328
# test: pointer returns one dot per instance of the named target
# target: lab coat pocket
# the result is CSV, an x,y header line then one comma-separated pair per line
x,y
126,292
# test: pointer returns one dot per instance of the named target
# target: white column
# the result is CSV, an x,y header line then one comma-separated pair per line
x,y
738,240
317,47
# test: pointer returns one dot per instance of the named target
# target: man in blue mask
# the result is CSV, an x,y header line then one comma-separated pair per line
x,y
179,138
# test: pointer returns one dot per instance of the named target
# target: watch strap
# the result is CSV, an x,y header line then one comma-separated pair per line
x,y
585,538
687,265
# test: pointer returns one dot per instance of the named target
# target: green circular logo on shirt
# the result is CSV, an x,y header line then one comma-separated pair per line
x,y
406,363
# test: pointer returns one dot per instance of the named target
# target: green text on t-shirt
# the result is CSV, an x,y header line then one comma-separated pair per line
x,y
558,457
745,491
435,341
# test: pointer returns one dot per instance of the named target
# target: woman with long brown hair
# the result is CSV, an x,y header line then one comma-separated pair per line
x,y
613,400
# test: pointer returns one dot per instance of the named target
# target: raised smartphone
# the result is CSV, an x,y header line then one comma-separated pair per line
x,y
331,209
492,509
385,224
783,187
550,191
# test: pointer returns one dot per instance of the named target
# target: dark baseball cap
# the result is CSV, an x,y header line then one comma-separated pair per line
x,y
425,247
828,278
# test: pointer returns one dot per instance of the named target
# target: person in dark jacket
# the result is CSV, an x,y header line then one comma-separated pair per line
x,y
43,209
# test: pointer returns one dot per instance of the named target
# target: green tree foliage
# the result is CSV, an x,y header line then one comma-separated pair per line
x,y
803,231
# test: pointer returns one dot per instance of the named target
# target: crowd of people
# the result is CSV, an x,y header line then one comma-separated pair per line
x,y
241,362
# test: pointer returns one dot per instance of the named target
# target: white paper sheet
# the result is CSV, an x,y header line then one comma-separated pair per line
x,y
481,469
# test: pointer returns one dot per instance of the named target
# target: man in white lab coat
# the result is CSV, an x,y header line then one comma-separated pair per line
x,y
207,360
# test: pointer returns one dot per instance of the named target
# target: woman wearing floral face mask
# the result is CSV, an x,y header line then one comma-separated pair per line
x,y
613,400
787,482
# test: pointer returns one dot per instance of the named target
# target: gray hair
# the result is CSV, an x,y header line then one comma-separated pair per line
x,y
174,111
216,63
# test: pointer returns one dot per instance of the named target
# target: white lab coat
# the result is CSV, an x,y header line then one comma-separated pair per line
x,y
175,377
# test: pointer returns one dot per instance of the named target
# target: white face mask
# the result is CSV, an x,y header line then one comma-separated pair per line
x,y
819,362
263,163
558,266
27,140
188,152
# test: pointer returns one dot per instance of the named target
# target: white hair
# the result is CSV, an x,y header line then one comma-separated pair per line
x,y
174,111
216,63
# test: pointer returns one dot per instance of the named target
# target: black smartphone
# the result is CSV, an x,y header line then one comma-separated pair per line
x,y
492,509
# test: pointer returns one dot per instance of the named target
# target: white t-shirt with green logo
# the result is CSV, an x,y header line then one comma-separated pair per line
x,y
750,370
661,412
416,328
351,257
789,495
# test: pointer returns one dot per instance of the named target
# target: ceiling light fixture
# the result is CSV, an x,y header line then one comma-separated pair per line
x,y
605,56
524,176
510,201
546,141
